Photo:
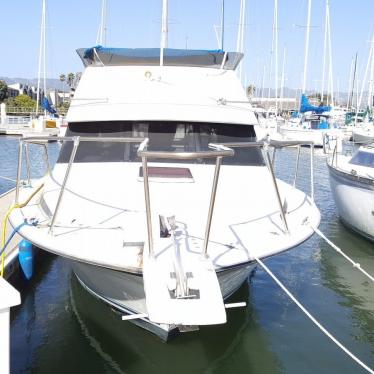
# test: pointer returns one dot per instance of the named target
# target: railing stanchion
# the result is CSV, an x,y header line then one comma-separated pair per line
x,y
46,158
27,158
67,173
312,171
275,184
273,160
147,205
19,169
211,205
296,167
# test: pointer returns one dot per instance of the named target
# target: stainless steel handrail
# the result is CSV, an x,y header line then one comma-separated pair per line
x,y
41,141
63,186
219,152
270,163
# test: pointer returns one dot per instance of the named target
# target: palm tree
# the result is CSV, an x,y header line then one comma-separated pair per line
x,y
63,79
71,77
251,89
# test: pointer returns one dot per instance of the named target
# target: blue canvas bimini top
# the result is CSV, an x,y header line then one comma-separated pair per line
x,y
100,56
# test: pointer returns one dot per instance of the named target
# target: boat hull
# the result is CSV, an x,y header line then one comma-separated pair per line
x,y
124,291
362,136
354,199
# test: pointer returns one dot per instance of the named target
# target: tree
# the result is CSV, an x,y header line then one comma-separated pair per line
x,y
3,91
22,101
62,80
251,89
70,79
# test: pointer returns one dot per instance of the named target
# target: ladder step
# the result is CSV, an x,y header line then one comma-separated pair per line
x,y
134,316
235,305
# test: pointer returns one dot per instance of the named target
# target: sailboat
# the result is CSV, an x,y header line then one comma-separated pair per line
x,y
47,124
161,198
352,181
313,123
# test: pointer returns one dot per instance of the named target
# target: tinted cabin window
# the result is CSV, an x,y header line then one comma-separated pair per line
x,y
163,136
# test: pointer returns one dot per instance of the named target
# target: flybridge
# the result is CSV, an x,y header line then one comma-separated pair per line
x,y
101,56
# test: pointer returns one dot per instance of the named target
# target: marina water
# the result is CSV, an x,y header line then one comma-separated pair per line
x,y
61,328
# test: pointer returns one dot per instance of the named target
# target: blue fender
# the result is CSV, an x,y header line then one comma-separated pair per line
x,y
26,258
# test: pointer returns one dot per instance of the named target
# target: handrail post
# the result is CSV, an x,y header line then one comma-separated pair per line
x,y
27,158
67,173
19,169
273,160
46,158
296,167
277,192
147,205
312,171
211,205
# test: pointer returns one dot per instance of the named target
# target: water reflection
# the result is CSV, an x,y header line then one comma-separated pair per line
x,y
232,347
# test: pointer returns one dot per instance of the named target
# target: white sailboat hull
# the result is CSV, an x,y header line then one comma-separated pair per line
x,y
363,136
354,198
124,291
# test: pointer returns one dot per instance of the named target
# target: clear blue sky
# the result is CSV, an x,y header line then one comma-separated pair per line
x,y
73,24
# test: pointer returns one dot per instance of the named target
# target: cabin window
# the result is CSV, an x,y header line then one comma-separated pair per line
x,y
362,158
163,136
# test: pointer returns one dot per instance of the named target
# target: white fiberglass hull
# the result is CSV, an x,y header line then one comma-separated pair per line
x,y
124,291
363,136
299,134
354,199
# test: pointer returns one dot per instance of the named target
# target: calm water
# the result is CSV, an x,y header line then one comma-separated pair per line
x,y
61,329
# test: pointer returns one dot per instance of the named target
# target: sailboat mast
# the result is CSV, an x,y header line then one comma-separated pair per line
x,y
350,101
276,54
282,77
101,37
331,79
263,83
41,57
240,37
363,83
222,24
164,30
370,94
350,82
306,46
324,55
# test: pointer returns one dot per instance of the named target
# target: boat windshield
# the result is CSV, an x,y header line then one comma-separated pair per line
x,y
362,158
163,136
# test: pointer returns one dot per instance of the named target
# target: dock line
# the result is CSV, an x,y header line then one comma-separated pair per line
x,y
8,179
10,210
310,316
337,249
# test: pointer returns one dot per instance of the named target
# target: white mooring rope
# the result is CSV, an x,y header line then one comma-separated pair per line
x,y
337,249
292,297
8,179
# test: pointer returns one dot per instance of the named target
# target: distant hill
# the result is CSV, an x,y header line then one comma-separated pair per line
x,y
54,84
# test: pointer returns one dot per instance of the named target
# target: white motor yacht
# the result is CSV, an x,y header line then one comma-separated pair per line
x,y
352,185
310,127
161,198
